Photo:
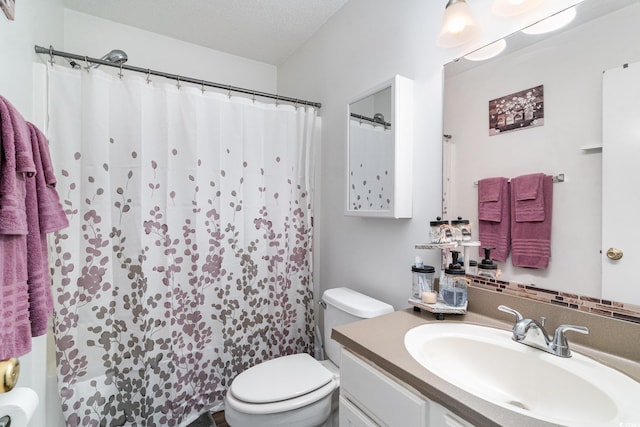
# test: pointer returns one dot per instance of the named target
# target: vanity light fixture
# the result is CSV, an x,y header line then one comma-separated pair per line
x,y
514,7
488,51
458,26
552,23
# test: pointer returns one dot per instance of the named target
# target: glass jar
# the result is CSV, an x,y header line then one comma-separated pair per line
x,y
473,267
453,289
461,230
440,231
487,268
422,280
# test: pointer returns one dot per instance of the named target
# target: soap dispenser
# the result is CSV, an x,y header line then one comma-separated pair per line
x,y
453,289
488,268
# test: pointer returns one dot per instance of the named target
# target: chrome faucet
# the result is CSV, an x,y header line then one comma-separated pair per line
x,y
532,333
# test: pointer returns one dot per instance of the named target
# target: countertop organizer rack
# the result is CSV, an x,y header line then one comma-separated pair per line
x,y
440,308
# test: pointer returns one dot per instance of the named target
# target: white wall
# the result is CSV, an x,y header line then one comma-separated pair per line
x,y
361,46
88,35
36,22
572,119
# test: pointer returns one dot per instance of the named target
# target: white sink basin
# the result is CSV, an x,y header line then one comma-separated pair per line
x,y
484,361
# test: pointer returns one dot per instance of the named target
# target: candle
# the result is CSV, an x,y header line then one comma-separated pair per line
x,y
429,297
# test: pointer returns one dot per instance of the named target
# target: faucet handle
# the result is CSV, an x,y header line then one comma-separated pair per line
x,y
506,309
560,344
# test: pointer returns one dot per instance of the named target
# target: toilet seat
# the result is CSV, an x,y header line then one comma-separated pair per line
x,y
281,384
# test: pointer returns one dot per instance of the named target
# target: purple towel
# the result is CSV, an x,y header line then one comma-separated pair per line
x,y
493,199
531,240
51,214
528,193
15,327
490,202
17,165
44,214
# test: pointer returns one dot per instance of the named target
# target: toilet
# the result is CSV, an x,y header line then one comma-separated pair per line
x,y
298,390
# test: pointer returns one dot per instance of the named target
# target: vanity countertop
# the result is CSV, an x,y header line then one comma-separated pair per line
x,y
380,340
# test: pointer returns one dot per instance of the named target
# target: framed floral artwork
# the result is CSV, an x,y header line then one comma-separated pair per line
x,y
9,8
519,110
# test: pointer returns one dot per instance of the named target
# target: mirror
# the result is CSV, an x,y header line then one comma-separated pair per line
x,y
569,65
379,148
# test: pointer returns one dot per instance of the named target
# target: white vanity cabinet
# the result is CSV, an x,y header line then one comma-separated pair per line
x,y
370,397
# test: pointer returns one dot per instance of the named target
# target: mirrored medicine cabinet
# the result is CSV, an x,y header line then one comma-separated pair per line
x,y
379,151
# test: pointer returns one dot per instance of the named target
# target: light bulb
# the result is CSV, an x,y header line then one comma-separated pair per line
x,y
458,26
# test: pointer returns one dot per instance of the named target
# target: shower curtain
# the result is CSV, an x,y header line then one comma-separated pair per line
x,y
188,257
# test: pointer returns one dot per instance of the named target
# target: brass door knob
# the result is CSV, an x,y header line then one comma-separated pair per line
x,y
614,254
9,371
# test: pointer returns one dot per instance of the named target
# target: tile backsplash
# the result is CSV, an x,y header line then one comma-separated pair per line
x,y
616,310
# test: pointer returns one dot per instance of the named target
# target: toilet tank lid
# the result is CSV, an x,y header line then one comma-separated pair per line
x,y
355,303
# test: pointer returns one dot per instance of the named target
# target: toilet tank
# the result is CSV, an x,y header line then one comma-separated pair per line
x,y
344,305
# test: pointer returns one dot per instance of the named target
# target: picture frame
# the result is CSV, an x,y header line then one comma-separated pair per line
x,y
9,8
516,111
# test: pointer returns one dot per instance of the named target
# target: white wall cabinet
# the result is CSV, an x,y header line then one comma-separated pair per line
x,y
370,397
379,156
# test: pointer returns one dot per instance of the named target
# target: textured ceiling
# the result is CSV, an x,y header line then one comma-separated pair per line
x,y
264,30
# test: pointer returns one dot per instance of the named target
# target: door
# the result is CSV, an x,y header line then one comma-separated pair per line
x,y
621,183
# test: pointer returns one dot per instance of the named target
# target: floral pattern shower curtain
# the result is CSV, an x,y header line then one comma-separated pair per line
x,y
188,257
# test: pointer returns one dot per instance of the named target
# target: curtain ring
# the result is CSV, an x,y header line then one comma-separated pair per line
x,y
148,76
253,96
51,59
120,72
178,82
202,87
87,67
296,104
229,91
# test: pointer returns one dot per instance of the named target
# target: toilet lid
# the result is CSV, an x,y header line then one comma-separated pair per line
x,y
280,379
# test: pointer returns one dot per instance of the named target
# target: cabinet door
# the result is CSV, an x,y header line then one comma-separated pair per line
x,y
442,417
351,416
620,181
383,399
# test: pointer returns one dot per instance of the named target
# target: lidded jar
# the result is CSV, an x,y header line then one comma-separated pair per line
x,y
422,280
440,231
453,288
461,230
473,267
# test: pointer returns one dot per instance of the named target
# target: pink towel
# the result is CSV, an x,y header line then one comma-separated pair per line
x,y
528,193
15,327
494,227
531,240
490,203
17,164
51,214
44,214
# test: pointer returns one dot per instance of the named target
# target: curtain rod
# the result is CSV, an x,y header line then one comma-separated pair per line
x,y
556,179
369,119
51,52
